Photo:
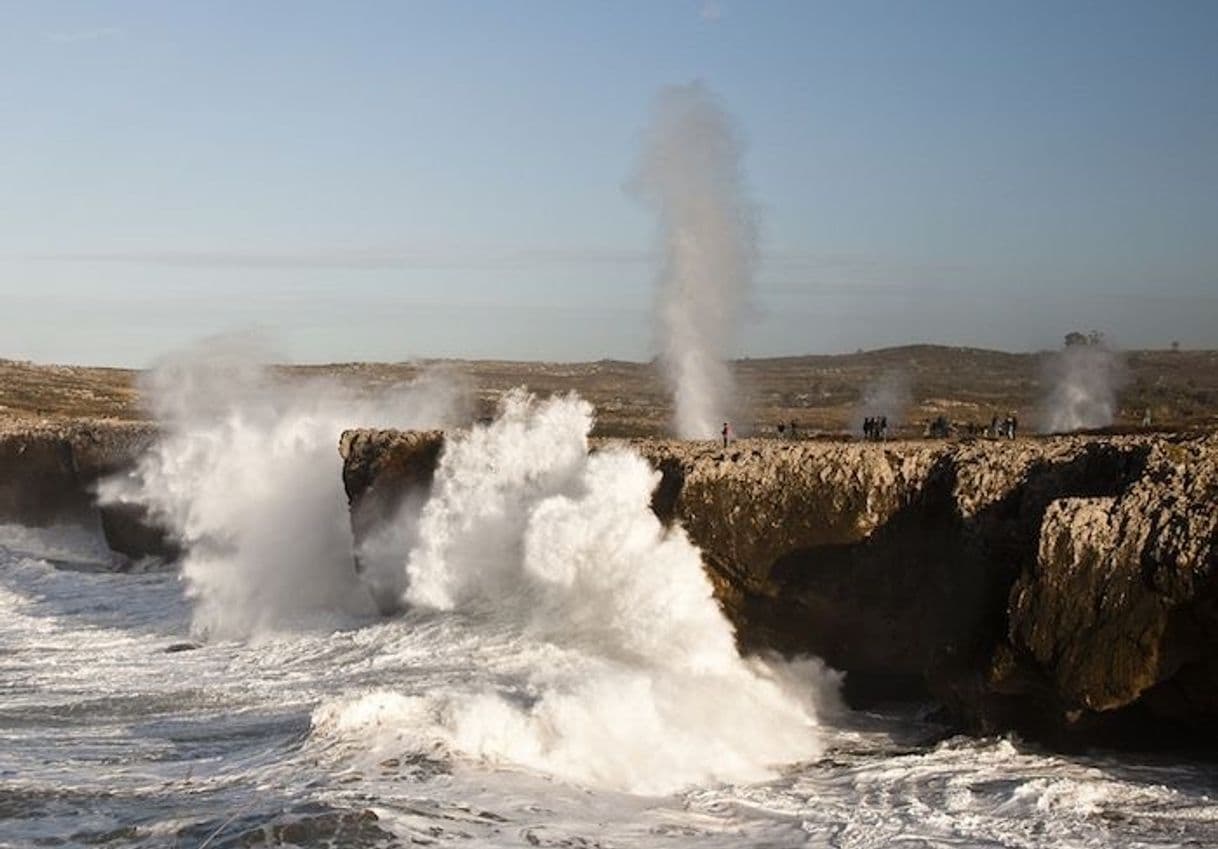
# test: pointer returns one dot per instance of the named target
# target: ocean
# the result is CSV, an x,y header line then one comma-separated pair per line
x,y
119,728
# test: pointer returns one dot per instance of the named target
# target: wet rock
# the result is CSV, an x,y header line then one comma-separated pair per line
x,y
311,825
351,829
381,467
174,648
132,532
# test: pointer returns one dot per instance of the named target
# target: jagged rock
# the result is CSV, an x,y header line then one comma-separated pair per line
x,y
996,576
1121,606
892,561
380,467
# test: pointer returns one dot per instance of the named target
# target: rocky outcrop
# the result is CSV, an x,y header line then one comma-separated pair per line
x,y
1118,615
38,480
1046,585
891,561
49,474
381,467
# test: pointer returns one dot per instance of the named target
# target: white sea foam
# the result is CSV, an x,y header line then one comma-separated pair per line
x,y
106,735
626,673
247,475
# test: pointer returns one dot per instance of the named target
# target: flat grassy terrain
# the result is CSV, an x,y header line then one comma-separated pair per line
x,y
819,393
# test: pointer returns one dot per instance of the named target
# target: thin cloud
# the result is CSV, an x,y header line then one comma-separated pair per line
x,y
84,35
363,259
710,12
789,265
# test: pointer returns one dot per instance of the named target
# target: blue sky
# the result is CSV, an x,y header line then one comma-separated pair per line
x,y
392,180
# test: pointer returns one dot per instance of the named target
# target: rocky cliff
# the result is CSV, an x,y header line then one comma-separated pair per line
x,y
1065,587
1118,614
1059,586
48,474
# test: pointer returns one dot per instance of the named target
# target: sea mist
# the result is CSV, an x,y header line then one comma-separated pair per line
x,y
246,475
1083,381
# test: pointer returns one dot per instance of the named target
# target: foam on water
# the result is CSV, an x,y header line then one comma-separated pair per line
x,y
107,739
632,679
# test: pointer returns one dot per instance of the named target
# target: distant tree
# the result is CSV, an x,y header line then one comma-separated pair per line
x,y
1175,346
1095,337
1075,338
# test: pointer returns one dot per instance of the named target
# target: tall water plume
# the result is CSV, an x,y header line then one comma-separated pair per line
x,y
1083,381
247,475
691,174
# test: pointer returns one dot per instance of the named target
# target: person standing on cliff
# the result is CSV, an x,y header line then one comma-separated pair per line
x,y
727,433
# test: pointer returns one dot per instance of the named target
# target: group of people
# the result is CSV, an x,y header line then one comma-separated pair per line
x,y
875,428
941,428
1004,429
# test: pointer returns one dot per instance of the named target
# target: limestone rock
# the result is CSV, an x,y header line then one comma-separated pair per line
x,y
49,473
380,467
1121,605
38,481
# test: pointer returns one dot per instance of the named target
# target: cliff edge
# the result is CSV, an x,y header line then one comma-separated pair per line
x,y
1063,587
49,473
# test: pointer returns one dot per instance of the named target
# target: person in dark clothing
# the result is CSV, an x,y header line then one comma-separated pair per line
x,y
727,433
883,434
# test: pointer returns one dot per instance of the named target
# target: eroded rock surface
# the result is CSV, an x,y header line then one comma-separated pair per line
x,y
381,467
1047,585
38,481
1120,609
49,473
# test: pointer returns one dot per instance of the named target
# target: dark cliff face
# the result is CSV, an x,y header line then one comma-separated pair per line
x,y
1057,586
49,475
381,467
891,561
1119,613
38,480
